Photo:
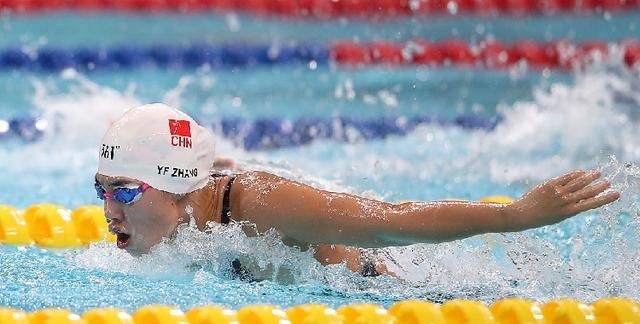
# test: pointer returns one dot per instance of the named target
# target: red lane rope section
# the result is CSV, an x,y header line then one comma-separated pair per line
x,y
325,9
488,54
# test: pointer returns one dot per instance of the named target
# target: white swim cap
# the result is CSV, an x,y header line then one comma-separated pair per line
x,y
158,145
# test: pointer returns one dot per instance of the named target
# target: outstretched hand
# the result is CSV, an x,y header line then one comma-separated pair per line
x,y
560,198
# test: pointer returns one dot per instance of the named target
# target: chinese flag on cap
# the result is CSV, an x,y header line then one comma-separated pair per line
x,y
180,127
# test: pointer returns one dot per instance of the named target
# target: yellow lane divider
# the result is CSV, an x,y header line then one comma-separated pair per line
x,y
506,311
53,226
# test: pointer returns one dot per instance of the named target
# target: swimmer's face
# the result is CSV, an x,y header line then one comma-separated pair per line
x,y
143,223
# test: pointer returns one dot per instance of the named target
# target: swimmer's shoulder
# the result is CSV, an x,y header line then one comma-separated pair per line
x,y
243,189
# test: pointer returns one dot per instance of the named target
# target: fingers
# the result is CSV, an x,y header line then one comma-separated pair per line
x,y
588,192
596,202
582,195
564,179
580,182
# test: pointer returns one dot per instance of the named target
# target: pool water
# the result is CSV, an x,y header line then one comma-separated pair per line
x,y
553,122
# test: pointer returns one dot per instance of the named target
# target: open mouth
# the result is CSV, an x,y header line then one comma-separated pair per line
x,y
122,240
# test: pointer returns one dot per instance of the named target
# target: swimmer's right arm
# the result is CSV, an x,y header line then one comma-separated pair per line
x,y
310,215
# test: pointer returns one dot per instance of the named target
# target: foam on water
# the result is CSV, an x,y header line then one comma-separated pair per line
x,y
210,252
566,126
82,112
76,119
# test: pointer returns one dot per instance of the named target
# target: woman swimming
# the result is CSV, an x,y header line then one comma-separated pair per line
x,y
156,171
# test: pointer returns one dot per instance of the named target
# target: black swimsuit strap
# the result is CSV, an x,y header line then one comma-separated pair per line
x,y
225,218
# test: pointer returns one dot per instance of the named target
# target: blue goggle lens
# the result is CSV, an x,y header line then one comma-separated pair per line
x,y
123,195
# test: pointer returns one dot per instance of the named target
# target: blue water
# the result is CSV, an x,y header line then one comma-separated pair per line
x,y
553,122
444,93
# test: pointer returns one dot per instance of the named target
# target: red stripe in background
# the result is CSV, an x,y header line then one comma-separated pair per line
x,y
560,54
328,9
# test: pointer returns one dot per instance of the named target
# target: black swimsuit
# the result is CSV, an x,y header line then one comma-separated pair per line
x,y
238,271
368,267
225,218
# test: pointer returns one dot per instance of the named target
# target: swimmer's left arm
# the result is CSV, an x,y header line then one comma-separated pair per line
x,y
310,215
548,203
305,214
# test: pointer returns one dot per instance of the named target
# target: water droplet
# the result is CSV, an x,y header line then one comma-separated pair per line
x,y
452,7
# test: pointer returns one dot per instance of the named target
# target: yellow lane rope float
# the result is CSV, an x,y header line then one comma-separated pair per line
x,y
505,311
53,226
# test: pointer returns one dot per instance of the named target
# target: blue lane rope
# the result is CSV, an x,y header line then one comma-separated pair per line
x,y
278,133
126,57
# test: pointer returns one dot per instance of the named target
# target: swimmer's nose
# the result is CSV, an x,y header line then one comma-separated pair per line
x,y
113,211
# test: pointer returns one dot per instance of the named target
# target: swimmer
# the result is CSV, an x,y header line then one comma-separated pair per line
x,y
157,169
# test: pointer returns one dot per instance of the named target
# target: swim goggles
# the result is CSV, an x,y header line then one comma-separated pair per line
x,y
125,195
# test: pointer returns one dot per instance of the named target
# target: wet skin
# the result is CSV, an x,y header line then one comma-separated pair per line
x,y
331,222
156,215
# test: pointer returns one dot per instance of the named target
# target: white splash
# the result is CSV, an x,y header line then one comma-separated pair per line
x,y
83,113
213,251
566,126
76,119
